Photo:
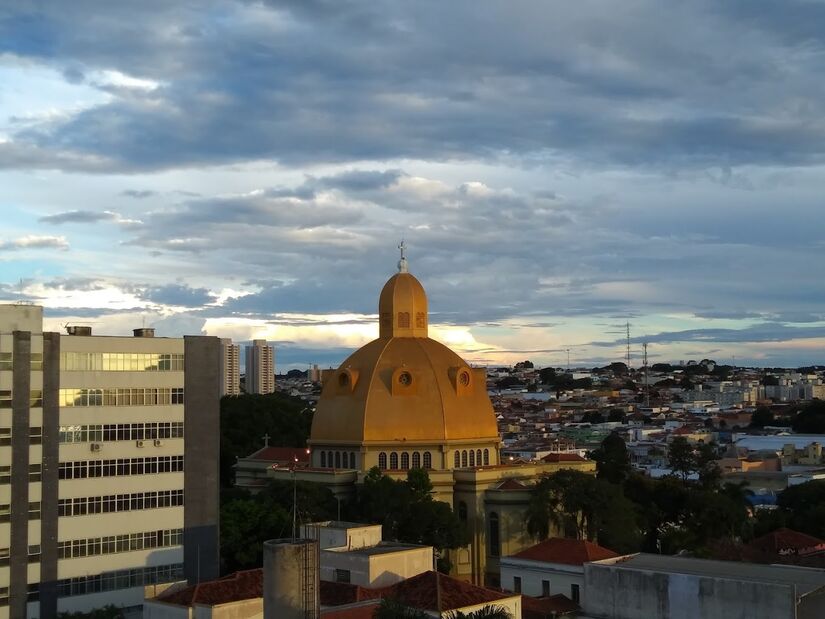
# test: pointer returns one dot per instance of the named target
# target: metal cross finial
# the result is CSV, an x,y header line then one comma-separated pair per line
x,y
402,264
266,438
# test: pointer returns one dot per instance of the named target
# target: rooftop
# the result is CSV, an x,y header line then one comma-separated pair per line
x,y
565,551
805,579
784,540
280,454
381,549
245,585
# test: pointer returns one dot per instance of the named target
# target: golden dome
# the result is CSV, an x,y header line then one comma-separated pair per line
x,y
404,386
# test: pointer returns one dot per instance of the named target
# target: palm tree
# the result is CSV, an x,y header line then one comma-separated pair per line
x,y
488,612
391,608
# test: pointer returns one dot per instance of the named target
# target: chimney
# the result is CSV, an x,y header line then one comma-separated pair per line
x,y
144,332
78,330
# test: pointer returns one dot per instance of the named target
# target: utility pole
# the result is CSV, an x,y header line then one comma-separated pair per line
x,y
627,353
647,382
568,361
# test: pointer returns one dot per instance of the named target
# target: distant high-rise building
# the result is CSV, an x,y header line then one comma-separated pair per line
x,y
230,368
260,367
108,464
315,374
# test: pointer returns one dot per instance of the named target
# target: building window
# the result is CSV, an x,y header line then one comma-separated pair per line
x,y
36,398
5,436
35,472
35,435
345,460
5,398
405,461
486,457
342,576
329,459
6,361
416,460
34,510
574,593
323,459
428,460
382,461
5,474
403,320
495,541
464,458
394,461
457,460
472,458
545,588
478,457
352,460
337,459
517,584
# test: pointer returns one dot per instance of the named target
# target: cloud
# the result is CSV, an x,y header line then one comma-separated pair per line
x,y
78,217
32,241
175,295
138,193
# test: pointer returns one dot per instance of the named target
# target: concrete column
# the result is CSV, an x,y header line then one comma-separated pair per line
x,y
291,579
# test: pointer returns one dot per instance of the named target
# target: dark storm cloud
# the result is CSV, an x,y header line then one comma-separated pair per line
x,y
239,81
138,193
174,294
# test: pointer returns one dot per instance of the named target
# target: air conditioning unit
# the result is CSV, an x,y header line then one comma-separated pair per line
x,y
158,442
95,447
138,443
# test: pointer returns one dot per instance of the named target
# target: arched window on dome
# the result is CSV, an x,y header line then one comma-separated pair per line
x,y
405,461
337,459
416,461
464,458
494,537
462,511
428,460
486,457
394,461
382,461
472,458
403,320
352,464
457,463
329,459
323,459
478,457
345,460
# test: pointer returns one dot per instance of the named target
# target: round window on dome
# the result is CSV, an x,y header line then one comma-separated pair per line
x,y
405,378
464,378
343,379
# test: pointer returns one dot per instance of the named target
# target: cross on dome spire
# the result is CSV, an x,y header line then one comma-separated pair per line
x,y
402,264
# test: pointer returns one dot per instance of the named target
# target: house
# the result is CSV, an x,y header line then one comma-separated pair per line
x,y
554,566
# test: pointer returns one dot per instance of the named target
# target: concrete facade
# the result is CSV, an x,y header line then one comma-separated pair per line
x,y
559,578
230,368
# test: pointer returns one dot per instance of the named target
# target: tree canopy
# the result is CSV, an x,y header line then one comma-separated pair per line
x,y
811,419
612,459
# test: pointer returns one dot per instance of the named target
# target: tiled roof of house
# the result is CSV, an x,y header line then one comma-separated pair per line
x,y
546,608
563,457
425,592
244,585
280,454
788,541
566,551
360,611
338,593
511,484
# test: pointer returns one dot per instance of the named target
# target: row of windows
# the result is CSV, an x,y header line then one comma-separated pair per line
x,y
121,397
338,459
119,502
35,473
121,579
35,398
82,469
417,461
120,432
35,436
34,555
112,544
34,511
120,362
471,458
7,361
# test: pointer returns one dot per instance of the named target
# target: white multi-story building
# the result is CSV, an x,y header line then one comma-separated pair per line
x,y
230,368
101,490
260,367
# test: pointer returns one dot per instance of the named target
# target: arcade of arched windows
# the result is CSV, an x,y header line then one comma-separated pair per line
x,y
419,460
464,458
338,459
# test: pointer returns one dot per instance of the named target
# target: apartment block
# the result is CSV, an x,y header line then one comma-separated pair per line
x,y
108,464
260,367
230,368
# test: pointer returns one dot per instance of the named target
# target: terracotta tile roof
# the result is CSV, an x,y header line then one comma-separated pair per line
x,y
566,551
339,593
424,590
280,454
788,541
546,608
511,484
235,587
563,457
362,611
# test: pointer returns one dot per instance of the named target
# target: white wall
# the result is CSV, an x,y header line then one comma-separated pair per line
x,y
561,577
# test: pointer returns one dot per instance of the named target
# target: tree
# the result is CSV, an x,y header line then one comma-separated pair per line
x,y
707,465
390,608
110,611
680,457
245,525
762,417
811,419
487,612
524,365
547,376
612,459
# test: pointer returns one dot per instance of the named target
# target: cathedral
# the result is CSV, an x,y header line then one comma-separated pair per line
x,y
405,400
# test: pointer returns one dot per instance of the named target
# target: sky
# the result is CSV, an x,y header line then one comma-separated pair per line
x,y
556,169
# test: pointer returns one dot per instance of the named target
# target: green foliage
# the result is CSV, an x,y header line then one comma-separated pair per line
x,y
547,376
510,381
762,417
593,417
680,457
110,611
811,419
407,510
803,507
247,520
390,608
612,459
246,418
487,612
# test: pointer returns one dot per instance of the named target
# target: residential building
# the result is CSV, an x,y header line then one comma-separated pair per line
x,y
259,372
230,368
100,490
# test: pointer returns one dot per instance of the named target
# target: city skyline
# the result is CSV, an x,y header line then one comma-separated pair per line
x,y
247,170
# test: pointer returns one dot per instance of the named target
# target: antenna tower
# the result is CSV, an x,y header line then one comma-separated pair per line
x,y
647,382
627,352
